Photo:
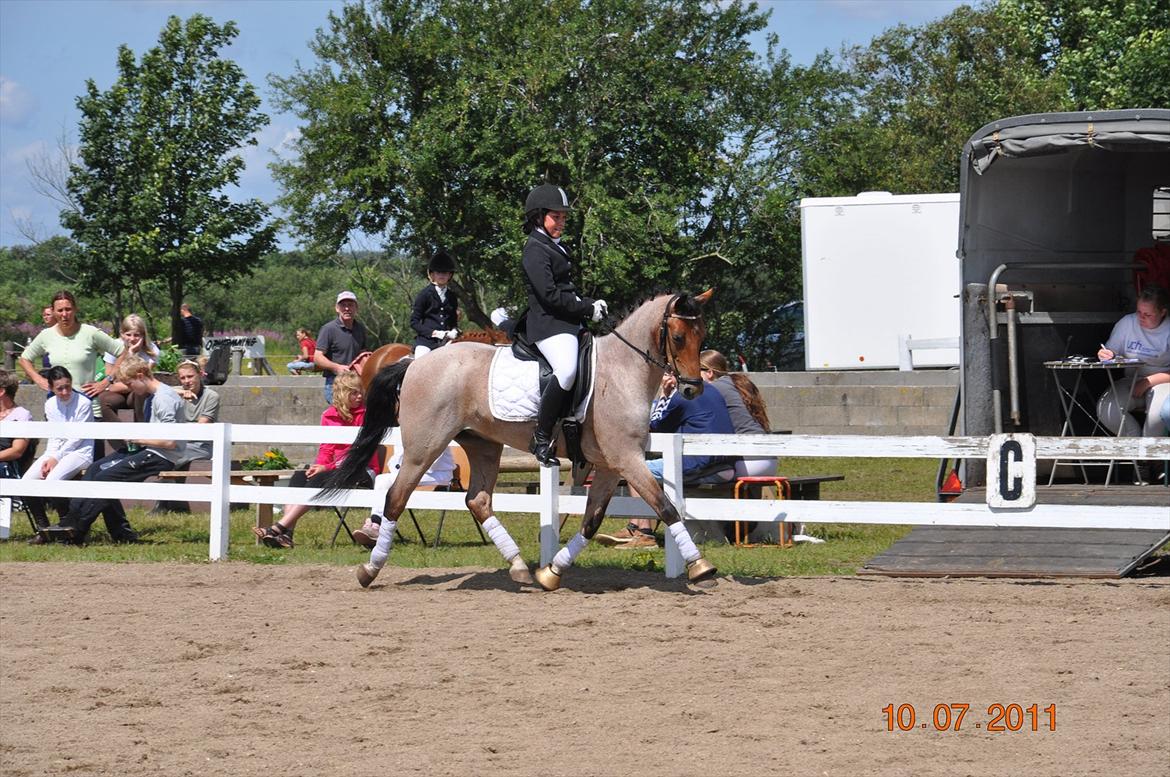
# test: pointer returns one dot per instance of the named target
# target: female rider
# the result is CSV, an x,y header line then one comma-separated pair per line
x,y
555,310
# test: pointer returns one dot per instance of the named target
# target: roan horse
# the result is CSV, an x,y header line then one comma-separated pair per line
x,y
445,396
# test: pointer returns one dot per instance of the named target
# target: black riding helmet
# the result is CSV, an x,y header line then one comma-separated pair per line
x,y
441,262
546,197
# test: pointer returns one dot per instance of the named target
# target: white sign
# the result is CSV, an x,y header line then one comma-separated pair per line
x,y
251,345
1011,471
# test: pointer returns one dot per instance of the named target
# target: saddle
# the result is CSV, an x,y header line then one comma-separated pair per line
x,y
525,350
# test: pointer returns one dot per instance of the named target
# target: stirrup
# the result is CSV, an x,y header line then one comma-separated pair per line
x,y
543,450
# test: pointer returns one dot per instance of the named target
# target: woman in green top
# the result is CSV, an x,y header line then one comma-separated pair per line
x,y
72,345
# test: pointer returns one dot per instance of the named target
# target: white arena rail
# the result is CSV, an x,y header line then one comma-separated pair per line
x,y
549,503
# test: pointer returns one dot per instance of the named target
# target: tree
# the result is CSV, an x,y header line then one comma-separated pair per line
x,y
156,151
426,122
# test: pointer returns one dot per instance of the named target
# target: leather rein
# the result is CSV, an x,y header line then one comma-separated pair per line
x,y
670,362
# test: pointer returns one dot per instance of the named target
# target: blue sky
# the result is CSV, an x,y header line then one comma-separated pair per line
x,y
48,48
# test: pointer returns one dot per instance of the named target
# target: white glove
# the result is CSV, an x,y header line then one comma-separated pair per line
x,y
600,309
451,334
438,334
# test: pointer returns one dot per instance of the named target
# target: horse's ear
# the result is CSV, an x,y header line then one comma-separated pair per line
x,y
705,297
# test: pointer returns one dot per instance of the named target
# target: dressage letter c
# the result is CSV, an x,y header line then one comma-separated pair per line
x,y
1010,450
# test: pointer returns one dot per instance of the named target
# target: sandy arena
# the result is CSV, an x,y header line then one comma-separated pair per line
x,y
240,669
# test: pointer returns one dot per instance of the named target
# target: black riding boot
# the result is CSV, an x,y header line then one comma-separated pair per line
x,y
543,446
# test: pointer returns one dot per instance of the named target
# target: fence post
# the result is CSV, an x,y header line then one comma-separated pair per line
x,y
221,481
672,484
905,358
550,490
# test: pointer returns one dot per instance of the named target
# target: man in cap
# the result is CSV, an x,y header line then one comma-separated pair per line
x,y
339,342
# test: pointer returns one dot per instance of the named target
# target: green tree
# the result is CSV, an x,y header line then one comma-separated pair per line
x,y
426,122
157,149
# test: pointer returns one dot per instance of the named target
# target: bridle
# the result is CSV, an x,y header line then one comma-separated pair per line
x,y
670,361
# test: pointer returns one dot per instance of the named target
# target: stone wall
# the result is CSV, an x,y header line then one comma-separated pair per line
x,y
860,402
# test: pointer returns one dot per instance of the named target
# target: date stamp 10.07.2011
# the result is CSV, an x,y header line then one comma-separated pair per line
x,y
954,716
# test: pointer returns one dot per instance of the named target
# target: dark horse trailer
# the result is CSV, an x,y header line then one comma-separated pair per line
x,y
1053,208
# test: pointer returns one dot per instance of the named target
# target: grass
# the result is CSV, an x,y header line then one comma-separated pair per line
x,y
184,537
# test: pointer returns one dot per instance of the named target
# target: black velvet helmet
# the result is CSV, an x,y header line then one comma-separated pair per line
x,y
547,197
441,262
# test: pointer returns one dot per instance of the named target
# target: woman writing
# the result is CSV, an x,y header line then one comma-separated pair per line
x,y
556,311
72,345
1145,335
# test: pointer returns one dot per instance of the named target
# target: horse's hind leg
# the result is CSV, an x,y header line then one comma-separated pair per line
x,y
604,483
484,458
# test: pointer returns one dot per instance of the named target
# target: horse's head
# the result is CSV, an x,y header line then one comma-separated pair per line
x,y
681,336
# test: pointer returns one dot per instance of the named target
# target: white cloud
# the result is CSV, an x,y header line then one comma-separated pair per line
x,y
16,104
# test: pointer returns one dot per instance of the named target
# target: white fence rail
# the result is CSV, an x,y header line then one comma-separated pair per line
x,y
549,503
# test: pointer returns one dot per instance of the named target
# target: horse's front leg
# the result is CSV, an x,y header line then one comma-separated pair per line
x,y
641,480
604,483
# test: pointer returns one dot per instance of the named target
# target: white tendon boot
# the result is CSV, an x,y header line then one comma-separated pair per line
x,y
367,572
699,569
517,569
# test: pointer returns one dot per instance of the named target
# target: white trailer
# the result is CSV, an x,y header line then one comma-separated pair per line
x,y
880,268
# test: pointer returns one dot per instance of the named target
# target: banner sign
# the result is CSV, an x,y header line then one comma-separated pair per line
x,y
251,345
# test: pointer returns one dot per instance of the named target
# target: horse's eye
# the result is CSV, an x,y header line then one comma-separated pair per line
x,y
678,339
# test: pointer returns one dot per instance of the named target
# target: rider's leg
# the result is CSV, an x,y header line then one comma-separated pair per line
x,y
561,353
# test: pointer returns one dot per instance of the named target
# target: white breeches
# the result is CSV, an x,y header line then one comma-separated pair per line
x,y
421,350
1113,412
561,352
745,468
69,465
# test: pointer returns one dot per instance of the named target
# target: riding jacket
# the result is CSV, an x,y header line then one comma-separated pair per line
x,y
554,306
430,312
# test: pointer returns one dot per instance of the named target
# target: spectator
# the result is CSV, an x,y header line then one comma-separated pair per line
x,y
138,461
64,457
744,404
705,414
49,319
305,359
1145,335
339,342
72,345
14,451
118,396
190,335
200,406
348,409
440,473
436,308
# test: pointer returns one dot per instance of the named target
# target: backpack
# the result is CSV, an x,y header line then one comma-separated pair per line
x,y
219,363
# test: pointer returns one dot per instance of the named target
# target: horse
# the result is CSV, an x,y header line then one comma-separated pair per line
x,y
444,396
384,356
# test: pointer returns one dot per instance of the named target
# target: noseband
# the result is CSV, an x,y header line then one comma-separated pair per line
x,y
670,361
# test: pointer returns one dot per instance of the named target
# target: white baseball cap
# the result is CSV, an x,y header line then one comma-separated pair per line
x,y
346,295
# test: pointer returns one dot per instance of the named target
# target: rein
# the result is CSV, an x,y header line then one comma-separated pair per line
x,y
663,364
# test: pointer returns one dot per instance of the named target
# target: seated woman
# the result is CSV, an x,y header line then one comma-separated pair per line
x,y
1144,335
304,360
348,409
13,450
136,342
64,457
746,406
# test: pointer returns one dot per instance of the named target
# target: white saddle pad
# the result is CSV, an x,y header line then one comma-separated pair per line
x,y
514,385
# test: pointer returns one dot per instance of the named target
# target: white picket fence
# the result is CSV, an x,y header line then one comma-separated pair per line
x,y
549,502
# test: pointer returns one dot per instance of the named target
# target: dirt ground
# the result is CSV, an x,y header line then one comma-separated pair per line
x,y
241,669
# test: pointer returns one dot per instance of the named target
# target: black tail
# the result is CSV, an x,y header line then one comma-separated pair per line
x,y
381,414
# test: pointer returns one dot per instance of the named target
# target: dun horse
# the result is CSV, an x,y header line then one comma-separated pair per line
x,y
445,396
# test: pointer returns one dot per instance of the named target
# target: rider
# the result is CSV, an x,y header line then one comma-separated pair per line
x,y
436,307
555,310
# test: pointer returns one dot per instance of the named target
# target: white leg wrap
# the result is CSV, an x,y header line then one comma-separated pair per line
x,y
682,538
381,551
504,542
568,554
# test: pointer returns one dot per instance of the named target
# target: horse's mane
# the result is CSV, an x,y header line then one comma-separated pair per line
x,y
488,336
686,305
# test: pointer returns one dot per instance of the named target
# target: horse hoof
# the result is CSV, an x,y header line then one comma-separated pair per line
x,y
519,573
700,571
548,579
366,574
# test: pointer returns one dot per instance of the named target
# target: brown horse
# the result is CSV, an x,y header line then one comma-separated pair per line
x,y
444,396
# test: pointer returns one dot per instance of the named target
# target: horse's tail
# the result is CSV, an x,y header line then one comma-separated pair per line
x,y
381,414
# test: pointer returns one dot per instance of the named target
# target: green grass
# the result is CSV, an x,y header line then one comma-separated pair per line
x,y
184,537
